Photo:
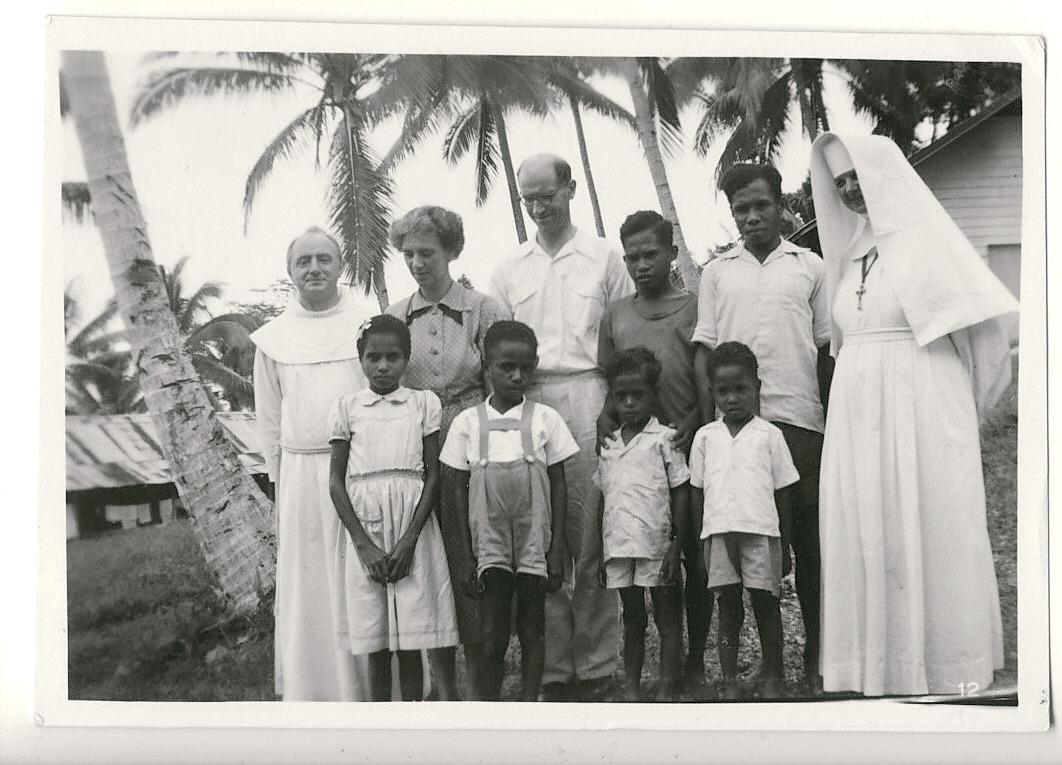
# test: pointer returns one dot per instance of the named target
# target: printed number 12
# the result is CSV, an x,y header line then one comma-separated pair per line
x,y
967,689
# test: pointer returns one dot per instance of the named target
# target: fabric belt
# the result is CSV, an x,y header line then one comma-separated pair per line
x,y
882,335
306,449
386,473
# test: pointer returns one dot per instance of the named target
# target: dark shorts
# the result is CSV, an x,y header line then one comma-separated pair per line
x,y
805,446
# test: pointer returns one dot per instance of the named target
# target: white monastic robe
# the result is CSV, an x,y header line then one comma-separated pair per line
x,y
909,597
305,361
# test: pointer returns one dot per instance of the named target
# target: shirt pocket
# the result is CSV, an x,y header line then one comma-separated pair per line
x,y
585,303
520,298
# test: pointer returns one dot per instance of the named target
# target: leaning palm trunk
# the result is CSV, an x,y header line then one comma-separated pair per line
x,y
232,518
591,189
643,116
510,174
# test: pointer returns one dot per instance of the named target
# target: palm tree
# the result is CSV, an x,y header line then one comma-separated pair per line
x,y
752,99
233,519
359,197
567,75
100,378
657,119
472,95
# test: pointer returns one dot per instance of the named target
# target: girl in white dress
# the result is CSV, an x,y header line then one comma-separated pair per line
x,y
393,590
909,597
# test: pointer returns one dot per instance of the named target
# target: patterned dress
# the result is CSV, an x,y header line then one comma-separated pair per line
x,y
447,359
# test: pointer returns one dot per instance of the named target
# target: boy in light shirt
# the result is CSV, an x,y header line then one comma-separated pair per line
x,y
740,467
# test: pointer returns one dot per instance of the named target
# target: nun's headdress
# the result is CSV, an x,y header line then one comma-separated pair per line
x,y
942,282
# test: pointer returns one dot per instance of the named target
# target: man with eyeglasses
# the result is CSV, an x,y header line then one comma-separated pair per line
x,y
559,283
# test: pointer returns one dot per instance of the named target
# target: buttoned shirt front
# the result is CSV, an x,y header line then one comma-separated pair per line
x,y
550,437
636,479
779,309
563,297
739,475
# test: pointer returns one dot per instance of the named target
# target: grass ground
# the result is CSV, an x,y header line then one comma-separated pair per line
x,y
145,625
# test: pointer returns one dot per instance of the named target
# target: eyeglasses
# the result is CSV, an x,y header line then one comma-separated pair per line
x,y
545,198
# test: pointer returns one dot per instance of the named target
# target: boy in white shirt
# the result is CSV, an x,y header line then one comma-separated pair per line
x,y
740,467
512,499
643,517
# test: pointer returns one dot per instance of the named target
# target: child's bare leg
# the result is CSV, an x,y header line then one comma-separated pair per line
x,y
731,615
474,669
635,622
769,624
380,675
411,675
443,663
495,606
699,600
667,612
531,629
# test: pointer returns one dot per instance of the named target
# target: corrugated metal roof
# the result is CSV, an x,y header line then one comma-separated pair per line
x,y
123,450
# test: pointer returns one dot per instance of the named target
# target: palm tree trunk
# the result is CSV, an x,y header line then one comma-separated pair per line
x,y
379,283
233,519
585,157
643,117
510,173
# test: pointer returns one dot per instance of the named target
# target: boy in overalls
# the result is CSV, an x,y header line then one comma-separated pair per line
x,y
510,493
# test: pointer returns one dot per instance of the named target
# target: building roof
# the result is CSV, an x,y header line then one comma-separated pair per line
x,y
1008,103
114,451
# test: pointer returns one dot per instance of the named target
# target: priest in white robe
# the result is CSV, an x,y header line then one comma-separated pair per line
x,y
306,360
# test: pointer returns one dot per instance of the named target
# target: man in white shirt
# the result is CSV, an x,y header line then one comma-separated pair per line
x,y
559,283
770,294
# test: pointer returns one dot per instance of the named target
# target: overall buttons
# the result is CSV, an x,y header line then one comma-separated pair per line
x,y
483,462
529,457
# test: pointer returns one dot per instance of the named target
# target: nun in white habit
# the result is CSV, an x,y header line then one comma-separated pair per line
x,y
909,597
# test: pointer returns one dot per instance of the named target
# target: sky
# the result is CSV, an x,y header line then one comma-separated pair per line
x,y
190,163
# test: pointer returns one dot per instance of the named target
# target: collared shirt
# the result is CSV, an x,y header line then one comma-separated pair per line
x,y
739,475
385,431
550,438
562,298
447,343
779,309
636,479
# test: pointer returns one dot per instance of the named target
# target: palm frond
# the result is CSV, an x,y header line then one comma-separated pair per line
x,y
287,63
308,123
463,133
228,379
665,107
359,202
195,305
568,82
487,154
165,88
689,75
93,327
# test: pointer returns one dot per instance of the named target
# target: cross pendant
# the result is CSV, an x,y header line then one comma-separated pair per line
x,y
859,294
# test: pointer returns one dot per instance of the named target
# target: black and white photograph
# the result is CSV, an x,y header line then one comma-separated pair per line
x,y
664,384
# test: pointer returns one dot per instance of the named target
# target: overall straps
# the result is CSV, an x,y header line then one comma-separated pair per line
x,y
486,425
525,430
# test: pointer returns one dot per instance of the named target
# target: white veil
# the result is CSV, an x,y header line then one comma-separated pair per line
x,y
942,282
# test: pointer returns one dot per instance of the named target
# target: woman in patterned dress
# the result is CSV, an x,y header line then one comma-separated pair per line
x,y
447,322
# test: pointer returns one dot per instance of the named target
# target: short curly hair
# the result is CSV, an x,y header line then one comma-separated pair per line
x,y
733,354
648,220
385,324
740,176
508,330
429,219
638,360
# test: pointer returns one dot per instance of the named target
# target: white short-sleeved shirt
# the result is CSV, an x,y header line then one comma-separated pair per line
x,y
563,297
636,479
550,437
739,475
779,309
385,431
